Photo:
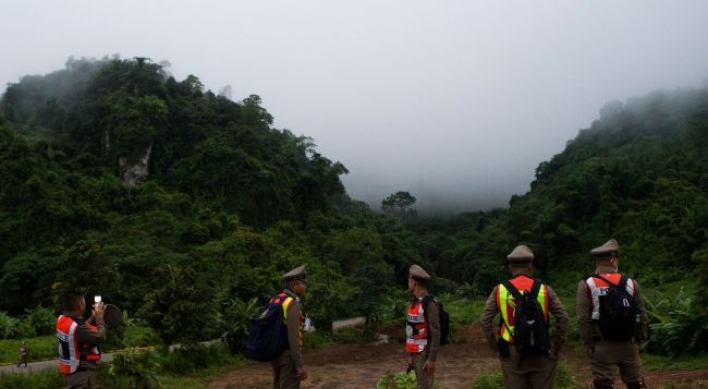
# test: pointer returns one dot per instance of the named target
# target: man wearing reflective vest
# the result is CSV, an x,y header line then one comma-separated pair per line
x,y
422,329
519,372
604,353
289,368
78,342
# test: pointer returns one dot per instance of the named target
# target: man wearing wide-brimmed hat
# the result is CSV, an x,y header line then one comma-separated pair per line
x,y
523,371
607,350
289,367
422,328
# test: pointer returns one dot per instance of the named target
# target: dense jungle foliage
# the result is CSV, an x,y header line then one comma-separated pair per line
x,y
230,203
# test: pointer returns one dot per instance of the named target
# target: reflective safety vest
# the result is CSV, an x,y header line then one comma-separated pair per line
x,y
71,353
284,300
417,327
507,303
598,287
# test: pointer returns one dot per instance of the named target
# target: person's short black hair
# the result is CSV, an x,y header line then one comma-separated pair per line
x,y
71,300
520,264
423,283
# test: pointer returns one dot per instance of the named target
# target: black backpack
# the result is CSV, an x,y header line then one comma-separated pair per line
x,y
618,311
444,319
267,335
530,327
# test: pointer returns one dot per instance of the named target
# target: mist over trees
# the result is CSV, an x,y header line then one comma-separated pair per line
x,y
118,179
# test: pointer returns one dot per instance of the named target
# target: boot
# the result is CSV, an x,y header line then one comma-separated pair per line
x,y
603,384
637,385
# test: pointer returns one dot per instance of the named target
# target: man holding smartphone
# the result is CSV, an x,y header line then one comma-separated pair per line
x,y
78,341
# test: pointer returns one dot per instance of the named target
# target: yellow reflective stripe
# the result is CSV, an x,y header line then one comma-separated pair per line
x,y
286,304
543,300
503,311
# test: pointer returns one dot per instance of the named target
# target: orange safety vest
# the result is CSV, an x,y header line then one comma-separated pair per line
x,y
598,287
70,352
507,303
284,300
417,327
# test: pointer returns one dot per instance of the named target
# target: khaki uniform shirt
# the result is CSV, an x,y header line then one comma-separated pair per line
x,y
583,309
555,307
86,335
294,329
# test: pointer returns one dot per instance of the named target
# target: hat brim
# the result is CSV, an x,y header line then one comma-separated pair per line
x,y
113,316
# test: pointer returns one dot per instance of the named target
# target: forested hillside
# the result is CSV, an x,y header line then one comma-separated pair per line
x,y
638,174
177,203
174,202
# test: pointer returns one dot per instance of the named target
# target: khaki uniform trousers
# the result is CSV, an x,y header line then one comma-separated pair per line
x,y
82,379
422,379
624,355
537,372
285,372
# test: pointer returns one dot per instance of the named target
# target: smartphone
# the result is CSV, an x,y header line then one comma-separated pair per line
x,y
97,298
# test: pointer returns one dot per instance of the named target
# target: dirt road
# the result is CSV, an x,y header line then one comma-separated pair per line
x,y
359,366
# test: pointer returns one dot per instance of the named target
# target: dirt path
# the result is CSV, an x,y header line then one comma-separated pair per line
x,y
359,366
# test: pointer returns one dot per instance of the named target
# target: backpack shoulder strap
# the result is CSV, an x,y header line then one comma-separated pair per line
x,y
426,301
536,288
512,289
623,282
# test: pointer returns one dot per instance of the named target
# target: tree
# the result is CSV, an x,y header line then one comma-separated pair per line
x,y
399,205
182,306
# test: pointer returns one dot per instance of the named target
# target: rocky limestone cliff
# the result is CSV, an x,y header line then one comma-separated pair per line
x,y
132,174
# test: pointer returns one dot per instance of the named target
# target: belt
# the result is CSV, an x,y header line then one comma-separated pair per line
x,y
82,369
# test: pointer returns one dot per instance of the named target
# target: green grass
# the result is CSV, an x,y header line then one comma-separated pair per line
x,y
654,363
40,348
488,380
45,347
46,379
317,339
169,382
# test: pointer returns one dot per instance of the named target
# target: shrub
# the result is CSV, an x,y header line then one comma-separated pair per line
x,y
194,357
134,334
236,316
489,380
135,367
8,326
316,339
675,327
400,380
42,320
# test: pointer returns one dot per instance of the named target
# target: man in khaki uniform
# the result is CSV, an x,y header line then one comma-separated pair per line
x,y
289,368
519,372
422,328
23,354
605,354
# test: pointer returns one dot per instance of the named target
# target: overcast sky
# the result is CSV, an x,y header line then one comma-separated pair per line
x,y
456,102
